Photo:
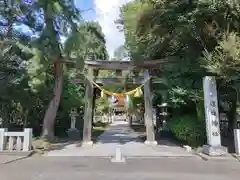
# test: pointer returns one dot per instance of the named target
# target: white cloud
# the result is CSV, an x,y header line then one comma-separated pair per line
x,y
108,12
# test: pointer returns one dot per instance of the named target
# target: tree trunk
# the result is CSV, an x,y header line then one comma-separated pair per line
x,y
94,105
232,116
200,110
50,115
25,116
231,124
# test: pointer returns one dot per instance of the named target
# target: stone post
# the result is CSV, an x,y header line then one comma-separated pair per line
x,y
237,141
27,139
2,138
213,147
130,121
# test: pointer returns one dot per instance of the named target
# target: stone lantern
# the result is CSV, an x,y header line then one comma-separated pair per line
x,y
73,114
162,116
73,132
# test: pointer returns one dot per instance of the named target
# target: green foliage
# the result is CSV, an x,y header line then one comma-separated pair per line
x,y
224,60
87,42
102,106
121,53
188,129
36,70
192,33
72,96
27,63
133,102
130,13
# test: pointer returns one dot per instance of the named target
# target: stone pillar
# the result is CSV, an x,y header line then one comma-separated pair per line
x,y
213,147
27,139
3,139
88,111
129,120
237,141
148,112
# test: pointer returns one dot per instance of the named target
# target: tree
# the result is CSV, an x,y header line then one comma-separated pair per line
x,y
224,60
121,53
202,36
33,67
86,43
13,45
59,16
180,29
129,19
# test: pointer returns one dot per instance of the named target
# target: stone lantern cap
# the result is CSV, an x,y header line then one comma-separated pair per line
x,y
163,105
73,112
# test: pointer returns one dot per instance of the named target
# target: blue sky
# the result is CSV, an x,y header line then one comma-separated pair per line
x,y
106,12
87,7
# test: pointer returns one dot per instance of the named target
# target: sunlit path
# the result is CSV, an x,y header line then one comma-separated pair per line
x,y
120,135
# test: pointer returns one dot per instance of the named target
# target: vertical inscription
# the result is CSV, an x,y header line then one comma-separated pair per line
x,y
211,111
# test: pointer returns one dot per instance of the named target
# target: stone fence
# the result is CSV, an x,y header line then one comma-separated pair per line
x,y
104,119
15,141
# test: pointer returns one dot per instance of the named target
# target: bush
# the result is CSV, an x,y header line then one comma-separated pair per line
x,y
188,129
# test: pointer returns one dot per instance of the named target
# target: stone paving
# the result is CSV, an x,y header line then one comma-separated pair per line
x,y
120,135
92,168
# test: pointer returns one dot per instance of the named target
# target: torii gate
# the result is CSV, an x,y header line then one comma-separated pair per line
x,y
93,68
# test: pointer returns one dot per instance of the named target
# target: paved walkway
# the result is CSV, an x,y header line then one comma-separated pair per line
x,y
120,135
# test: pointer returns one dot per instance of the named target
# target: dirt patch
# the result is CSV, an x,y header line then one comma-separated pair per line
x,y
40,146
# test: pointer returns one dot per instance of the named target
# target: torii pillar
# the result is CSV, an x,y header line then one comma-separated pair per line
x,y
88,110
148,115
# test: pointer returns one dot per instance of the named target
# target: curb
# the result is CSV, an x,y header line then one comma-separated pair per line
x,y
236,157
217,158
134,157
160,157
30,153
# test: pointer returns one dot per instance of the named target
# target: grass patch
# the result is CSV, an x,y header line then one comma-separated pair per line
x,y
40,145
139,128
100,124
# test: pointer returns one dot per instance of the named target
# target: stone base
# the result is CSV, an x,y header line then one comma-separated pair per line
x,y
118,158
130,122
214,150
151,143
87,144
74,134
115,160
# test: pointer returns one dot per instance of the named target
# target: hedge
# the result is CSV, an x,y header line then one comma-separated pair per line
x,y
188,129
